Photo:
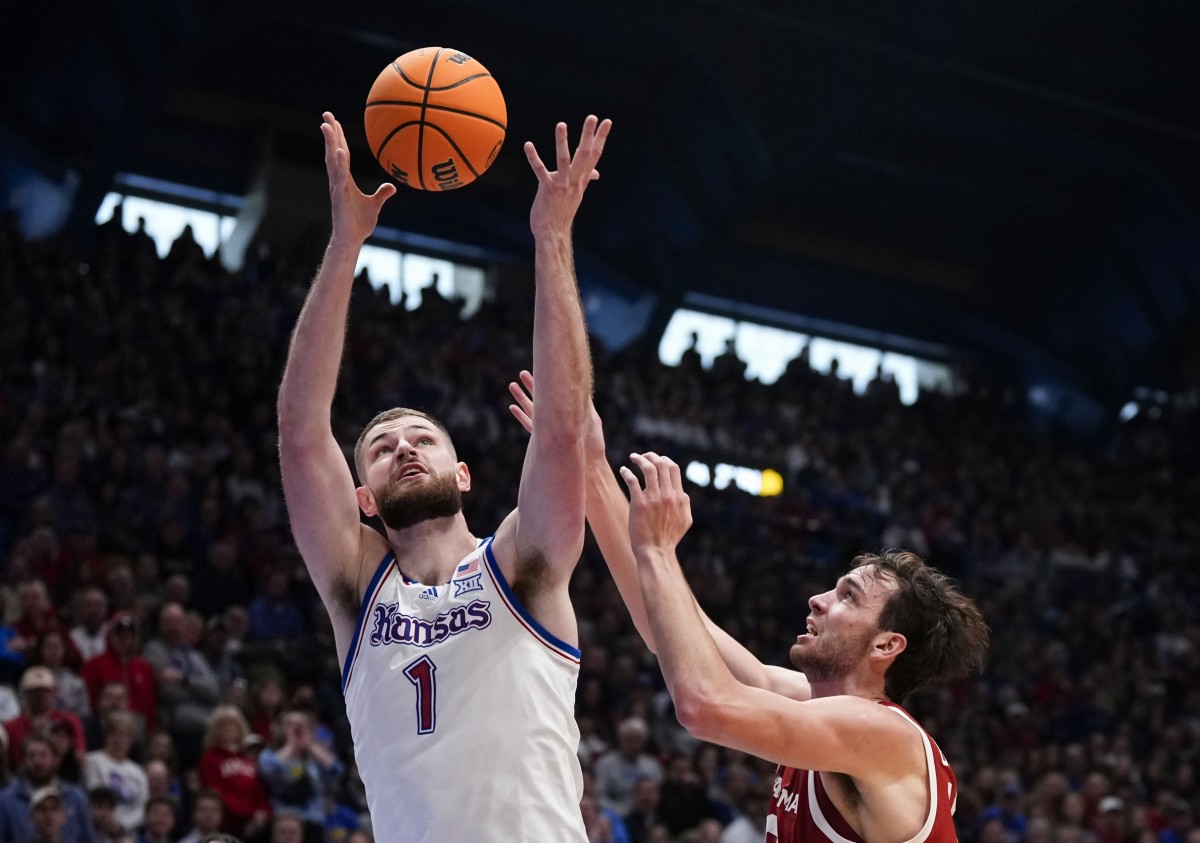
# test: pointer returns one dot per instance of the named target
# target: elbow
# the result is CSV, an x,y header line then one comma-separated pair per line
x,y
696,710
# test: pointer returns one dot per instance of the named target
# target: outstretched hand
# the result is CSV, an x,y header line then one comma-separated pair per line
x,y
661,513
354,213
522,410
561,191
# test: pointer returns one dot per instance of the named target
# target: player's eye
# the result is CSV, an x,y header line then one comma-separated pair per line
x,y
384,450
424,440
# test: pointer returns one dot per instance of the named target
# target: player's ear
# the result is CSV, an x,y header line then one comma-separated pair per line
x,y
889,645
463,476
366,501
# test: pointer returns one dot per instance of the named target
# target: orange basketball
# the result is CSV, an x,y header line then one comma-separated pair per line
x,y
435,119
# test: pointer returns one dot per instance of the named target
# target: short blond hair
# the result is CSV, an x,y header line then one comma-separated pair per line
x,y
220,715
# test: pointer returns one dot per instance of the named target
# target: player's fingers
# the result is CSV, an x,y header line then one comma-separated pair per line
x,y
520,416
341,134
595,175
631,483
648,468
562,149
527,379
596,136
385,192
535,161
674,482
523,400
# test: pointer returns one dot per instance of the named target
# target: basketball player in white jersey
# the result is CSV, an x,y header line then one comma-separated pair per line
x,y
460,652
853,765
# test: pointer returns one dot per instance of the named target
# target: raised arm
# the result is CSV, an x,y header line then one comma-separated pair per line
x,y
836,734
548,530
608,516
317,482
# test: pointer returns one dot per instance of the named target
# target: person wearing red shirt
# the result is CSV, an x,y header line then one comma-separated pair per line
x,y
230,771
120,663
37,694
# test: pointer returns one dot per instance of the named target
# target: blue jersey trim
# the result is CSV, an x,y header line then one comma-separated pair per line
x,y
362,616
521,610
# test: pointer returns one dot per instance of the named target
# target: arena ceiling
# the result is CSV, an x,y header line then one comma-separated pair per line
x,y
1016,180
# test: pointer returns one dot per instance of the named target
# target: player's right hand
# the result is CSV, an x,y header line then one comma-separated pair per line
x,y
354,213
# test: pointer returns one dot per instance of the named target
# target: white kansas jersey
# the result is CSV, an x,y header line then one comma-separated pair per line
x,y
462,709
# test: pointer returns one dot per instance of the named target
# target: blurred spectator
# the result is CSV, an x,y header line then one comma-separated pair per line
x,y
48,815
114,696
90,635
219,650
70,691
682,800
103,804
642,818
39,770
161,813
298,773
187,686
207,814
120,663
274,616
230,771
70,760
37,693
287,828
619,771
110,766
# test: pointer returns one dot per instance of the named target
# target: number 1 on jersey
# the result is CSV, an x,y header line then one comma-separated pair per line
x,y
421,673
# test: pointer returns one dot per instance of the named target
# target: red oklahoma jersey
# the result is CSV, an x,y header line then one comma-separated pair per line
x,y
802,812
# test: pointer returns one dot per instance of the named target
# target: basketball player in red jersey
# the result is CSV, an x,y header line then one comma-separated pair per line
x,y
853,765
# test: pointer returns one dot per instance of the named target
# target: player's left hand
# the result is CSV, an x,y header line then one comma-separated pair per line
x,y
522,410
560,192
661,513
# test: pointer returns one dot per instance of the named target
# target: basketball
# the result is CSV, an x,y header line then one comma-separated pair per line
x,y
435,119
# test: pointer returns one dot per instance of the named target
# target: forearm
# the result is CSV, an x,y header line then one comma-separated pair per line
x,y
561,363
689,659
608,516
310,377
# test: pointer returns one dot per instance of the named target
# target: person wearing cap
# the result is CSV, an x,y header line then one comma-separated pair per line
x,y
1109,823
37,688
38,774
47,815
120,662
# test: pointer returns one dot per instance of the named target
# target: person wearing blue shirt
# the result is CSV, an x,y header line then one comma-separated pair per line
x,y
39,772
298,772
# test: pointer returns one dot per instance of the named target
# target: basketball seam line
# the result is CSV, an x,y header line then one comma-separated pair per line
x,y
450,141
392,134
496,123
440,87
421,133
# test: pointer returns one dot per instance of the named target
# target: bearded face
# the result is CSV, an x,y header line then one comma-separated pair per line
x,y
831,656
404,503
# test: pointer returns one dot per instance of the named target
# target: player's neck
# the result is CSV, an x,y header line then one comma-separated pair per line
x,y
428,552
853,685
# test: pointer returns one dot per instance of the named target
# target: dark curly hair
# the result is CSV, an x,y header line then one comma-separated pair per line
x,y
947,636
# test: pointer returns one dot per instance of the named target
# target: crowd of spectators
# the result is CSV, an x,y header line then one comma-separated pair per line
x,y
167,670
